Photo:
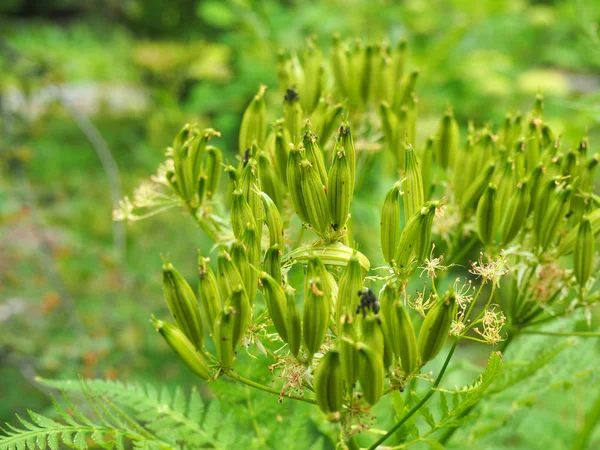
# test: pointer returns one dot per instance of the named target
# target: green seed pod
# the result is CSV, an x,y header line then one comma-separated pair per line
x,y
272,262
461,179
557,208
413,185
505,181
232,182
183,305
474,192
228,275
370,374
180,344
436,327
426,167
273,221
583,255
254,125
448,140
415,240
313,75
241,213
339,65
567,244
202,187
366,79
239,305
515,213
223,337
399,60
294,182
282,151
535,181
293,114
251,240
314,154
345,142
251,187
315,198
404,91
348,351
197,148
208,292
239,256
339,191
276,303
390,222
293,323
387,298
351,282
317,117
330,122
406,348
317,309
389,126
487,215
269,182
213,168
372,333
329,387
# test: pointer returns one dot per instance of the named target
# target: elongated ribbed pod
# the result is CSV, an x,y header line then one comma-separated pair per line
x,y
329,386
516,213
213,168
348,351
448,140
339,191
415,240
294,182
567,244
370,374
254,127
557,210
413,184
276,303
487,215
183,305
239,305
293,322
583,255
405,340
223,337
346,143
314,154
372,333
180,344
350,283
293,114
475,190
317,310
208,292
269,181
315,199
390,222
239,257
435,328
273,221
228,276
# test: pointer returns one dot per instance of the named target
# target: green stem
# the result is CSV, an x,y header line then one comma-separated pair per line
x,y
410,413
563,334
592,420
262,387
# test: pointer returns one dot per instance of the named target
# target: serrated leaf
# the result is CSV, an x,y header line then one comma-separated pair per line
x,y
179,402
195,407
444,403
40,441
80,440
53,440
165,396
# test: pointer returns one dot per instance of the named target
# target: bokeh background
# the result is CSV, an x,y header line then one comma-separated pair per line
x,y
92,92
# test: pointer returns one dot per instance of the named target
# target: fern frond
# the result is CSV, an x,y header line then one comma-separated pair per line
x,y
40,432
170,416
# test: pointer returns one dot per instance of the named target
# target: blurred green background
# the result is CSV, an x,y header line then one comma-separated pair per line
x,y
84,81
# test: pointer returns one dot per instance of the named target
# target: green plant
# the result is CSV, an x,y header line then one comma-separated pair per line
x,y
473,197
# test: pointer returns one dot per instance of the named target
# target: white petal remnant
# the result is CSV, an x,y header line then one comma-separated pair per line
x,y
490,271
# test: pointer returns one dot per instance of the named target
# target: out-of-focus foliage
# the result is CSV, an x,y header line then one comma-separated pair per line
x,y
72,303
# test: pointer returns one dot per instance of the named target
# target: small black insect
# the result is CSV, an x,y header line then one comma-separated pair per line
x,y
368,301
290,96
246,157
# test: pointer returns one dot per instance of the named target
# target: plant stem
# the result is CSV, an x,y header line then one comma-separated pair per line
x,y
593,418
410,413
563,333
262,387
